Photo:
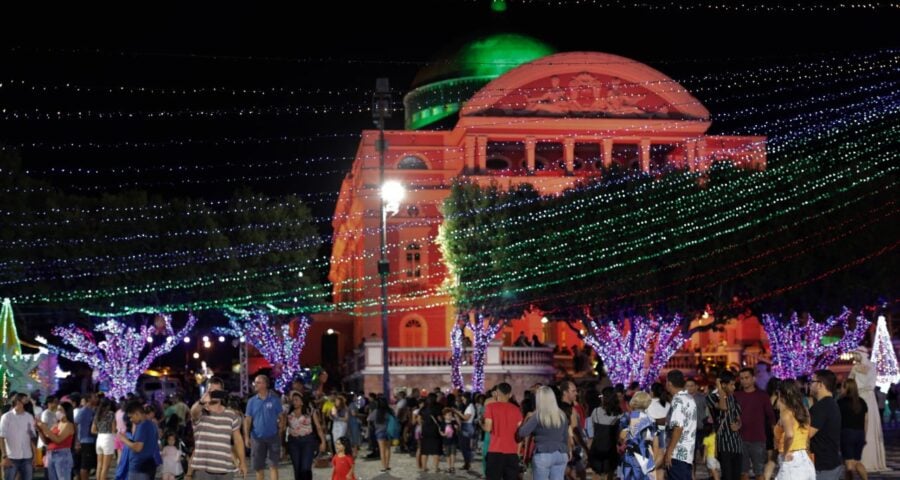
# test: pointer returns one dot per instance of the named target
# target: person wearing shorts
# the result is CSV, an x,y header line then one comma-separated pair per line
x,y
263,421
104,426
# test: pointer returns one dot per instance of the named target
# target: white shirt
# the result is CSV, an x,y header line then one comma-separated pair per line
x,y
470,410
656,410
17,430
48,416
684,415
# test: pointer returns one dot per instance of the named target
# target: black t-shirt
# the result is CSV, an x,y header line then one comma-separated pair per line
x,y
825,445
851,420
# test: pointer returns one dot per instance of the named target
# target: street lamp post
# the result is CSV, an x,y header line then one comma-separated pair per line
x,y
381,110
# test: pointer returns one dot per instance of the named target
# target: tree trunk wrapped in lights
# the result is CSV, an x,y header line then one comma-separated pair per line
x,y
636,352
456,355
797,347
280,345
117,357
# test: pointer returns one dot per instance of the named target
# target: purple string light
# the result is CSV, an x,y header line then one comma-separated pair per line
x,y
625,349
117,358
456,355
276,344
483,330
797,348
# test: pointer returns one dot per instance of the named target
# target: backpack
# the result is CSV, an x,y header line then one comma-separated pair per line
x,y
393,427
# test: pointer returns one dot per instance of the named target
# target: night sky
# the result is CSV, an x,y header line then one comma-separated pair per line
x,y
334,68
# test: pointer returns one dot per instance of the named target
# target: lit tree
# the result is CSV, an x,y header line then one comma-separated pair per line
x,y
797,347
636,352
884,357
484,329
117,357
456,355
280,345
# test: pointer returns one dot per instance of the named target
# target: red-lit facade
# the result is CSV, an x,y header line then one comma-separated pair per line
x,y
550,123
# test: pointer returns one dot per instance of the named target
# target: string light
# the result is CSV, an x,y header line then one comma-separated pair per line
x,y
483,329
278,345
883,357
456,356
797,348
636,352
117,357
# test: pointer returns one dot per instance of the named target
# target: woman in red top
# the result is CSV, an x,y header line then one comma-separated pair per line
x,y
59,442
342,461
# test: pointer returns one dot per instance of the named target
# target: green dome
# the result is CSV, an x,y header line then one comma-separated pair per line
x,y
446,84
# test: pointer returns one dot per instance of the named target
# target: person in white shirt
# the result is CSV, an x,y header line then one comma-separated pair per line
x,y
48,416
679,454
17,435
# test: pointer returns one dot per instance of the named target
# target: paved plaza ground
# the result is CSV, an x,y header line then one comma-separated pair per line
x,y
404,467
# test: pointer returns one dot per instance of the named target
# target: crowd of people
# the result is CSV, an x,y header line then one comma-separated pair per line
x,y
737,428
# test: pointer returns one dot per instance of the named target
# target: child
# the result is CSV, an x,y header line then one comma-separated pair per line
x,y
450,439
171,456
709,450
342,461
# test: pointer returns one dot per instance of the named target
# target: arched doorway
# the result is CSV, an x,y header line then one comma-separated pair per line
x,y
414,332
330,353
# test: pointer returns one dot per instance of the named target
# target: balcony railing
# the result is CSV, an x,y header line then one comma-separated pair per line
x,y
368,359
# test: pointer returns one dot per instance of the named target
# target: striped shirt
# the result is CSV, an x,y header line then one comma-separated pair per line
x,y
727,440
212,441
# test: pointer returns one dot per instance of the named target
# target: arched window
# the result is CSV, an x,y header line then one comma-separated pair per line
x,y
411,162
414,333
413,261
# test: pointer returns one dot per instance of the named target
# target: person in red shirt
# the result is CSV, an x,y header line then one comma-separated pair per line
x,y
342,461
501,420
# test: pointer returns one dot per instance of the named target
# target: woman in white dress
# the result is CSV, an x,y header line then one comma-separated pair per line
x,y
863,372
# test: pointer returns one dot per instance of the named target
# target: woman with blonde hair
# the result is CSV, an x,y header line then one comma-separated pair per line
x,y
794,420
552,436
639,434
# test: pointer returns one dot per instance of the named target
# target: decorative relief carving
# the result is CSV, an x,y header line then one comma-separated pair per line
x,y
586,94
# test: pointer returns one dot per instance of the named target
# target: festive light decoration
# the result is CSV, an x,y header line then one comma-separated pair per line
x,y
117,358
797,348
636,352
48,374
884,357
182,169
281,346
748,188
612,253
746,7
179,142
484,329
9,341
19,371
456,355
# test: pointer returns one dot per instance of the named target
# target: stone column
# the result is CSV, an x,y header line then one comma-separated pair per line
x,y
530,144
690,147
607,152
569,154
470,154
645,156
481,153
702,161
492,356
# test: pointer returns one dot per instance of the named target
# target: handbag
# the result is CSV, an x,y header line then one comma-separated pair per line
x,y
323,460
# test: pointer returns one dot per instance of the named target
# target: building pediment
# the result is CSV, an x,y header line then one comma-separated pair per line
x,y
585,85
